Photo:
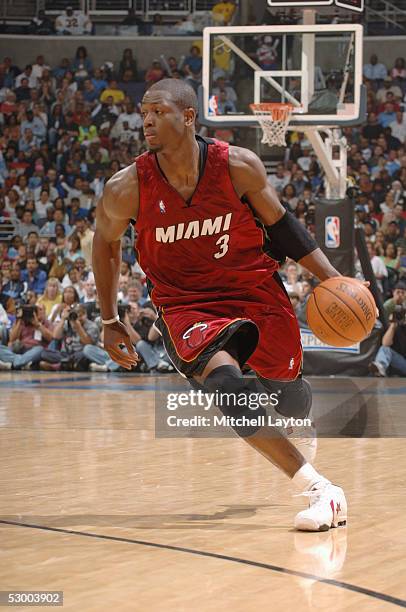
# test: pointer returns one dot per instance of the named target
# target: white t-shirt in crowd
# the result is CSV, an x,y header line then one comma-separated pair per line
x,y
399,130
379,269
305,163
32,80
41,209
277,182
76,24
134,120
230,91
66,282
37,70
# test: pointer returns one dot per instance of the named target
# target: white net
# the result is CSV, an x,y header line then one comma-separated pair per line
x,y
274,120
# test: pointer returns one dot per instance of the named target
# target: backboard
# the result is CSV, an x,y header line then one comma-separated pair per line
x,y
317,68
352,5
299,3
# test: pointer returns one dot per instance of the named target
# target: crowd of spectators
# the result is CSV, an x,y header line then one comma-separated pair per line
x,y
169,18
77,23
63,132
65,129
178,18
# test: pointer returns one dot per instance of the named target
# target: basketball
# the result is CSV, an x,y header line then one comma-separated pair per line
x,y
341,311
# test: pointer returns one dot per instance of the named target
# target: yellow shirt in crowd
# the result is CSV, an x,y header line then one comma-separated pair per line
x,y
223,12
49,304
117,95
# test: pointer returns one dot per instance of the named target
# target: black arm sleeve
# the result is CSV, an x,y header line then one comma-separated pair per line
x,y
290,237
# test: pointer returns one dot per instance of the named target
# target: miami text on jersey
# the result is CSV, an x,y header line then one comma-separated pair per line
x,y
193,229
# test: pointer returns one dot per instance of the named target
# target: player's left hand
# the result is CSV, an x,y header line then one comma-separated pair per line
x,y
115,335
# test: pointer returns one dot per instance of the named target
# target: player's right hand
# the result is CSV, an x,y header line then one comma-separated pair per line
x,y
115,335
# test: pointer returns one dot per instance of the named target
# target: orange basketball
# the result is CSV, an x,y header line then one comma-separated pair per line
x,y
341,311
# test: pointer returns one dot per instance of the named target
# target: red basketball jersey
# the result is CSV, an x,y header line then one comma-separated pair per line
x,y
209,248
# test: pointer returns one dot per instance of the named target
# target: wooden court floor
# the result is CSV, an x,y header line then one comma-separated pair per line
x,y
92,503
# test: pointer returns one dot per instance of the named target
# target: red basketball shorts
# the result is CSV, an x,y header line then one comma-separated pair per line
x,y
261,323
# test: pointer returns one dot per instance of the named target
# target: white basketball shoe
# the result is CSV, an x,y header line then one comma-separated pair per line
x,y
327,508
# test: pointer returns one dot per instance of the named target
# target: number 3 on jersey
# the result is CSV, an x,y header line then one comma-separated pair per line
x,y
223,244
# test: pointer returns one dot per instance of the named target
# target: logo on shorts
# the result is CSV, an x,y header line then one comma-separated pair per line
x,y
332,232
291,364
194,335
162,206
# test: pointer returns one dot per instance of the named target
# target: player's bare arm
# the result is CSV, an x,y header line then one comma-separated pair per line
x,y
250,180
118,205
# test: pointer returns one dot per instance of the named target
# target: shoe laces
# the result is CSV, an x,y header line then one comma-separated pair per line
x,y
314,495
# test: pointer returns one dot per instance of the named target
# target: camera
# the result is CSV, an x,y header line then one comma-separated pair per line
x,y
26,313
399,315
92,310
122,309
73,315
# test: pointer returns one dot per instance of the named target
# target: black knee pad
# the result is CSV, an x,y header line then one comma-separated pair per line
x,y
195,385
294,397
235,394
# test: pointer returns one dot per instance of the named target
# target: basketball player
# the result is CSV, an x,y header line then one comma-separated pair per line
x,y
220,300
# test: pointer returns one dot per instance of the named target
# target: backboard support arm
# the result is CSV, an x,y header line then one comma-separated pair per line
x,y
332,155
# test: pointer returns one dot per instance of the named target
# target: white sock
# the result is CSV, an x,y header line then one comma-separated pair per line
x,y
306,477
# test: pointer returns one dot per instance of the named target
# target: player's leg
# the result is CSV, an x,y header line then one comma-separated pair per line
x,y
295,402
211,349
223,375
229,344
277,361
327,504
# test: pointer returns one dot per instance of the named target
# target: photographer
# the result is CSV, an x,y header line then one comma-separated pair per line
x,y
30,334
4,324
149,346
70,298
393,350
75,331
398,299
135,293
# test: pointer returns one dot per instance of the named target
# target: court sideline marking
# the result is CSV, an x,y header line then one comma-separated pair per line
x,y
192,551
119,386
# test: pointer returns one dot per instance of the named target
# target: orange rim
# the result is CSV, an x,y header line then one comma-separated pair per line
x,y
278,110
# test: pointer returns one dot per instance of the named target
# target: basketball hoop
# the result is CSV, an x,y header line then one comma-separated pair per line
x,y
274,119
